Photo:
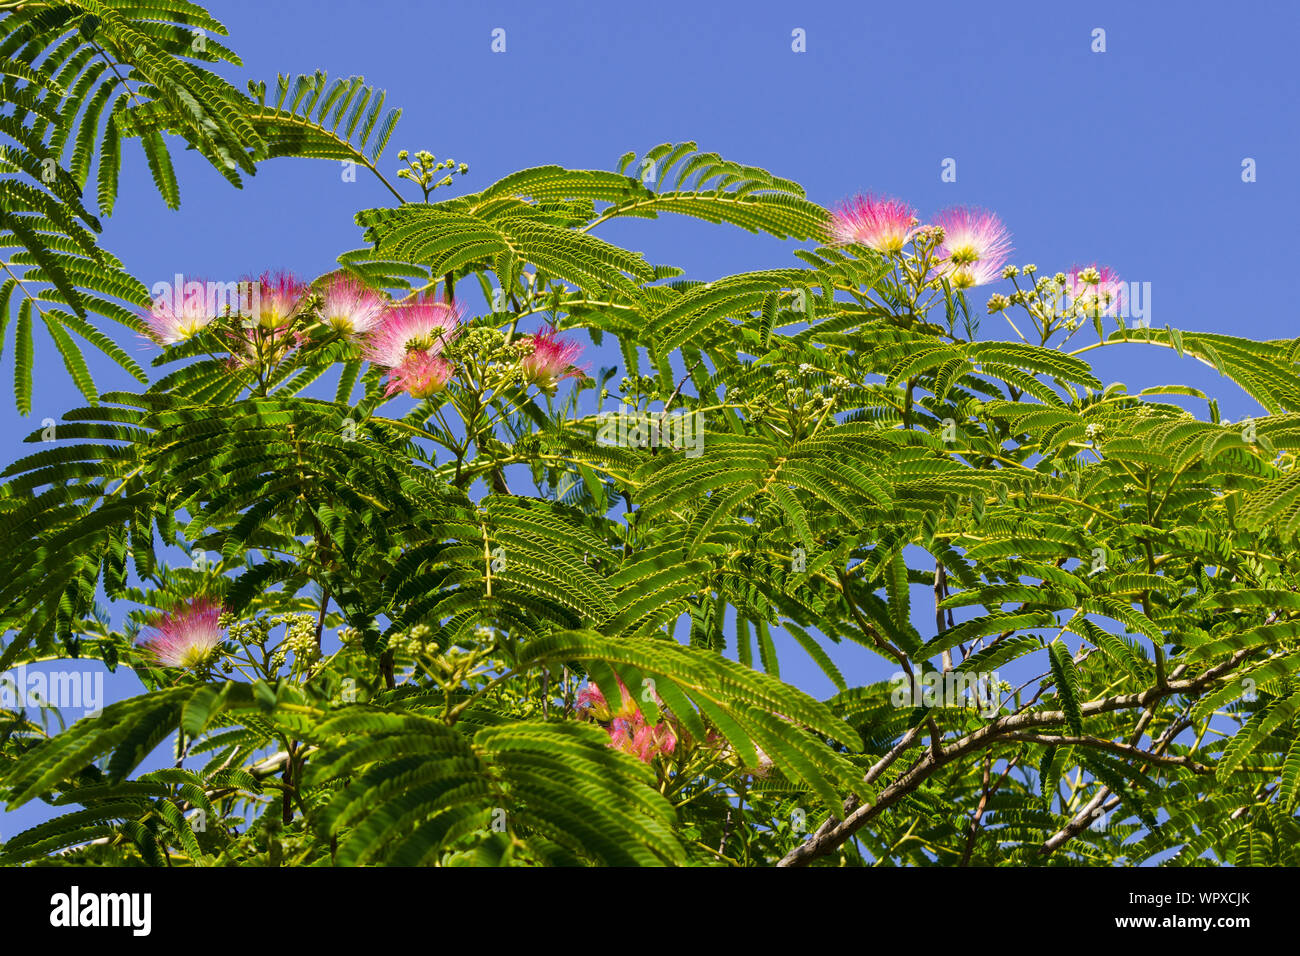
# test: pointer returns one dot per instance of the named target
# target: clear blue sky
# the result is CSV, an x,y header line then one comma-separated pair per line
x,y
1131,157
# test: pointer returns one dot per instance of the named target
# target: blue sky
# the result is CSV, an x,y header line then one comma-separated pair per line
x,y
1131,157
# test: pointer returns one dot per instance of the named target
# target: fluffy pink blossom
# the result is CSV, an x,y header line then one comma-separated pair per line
x,y
421,326
550,360
648,741
173,319
276,296
975,247
1097,289
420,375
628,728
592,700
186,636
881,224
350,306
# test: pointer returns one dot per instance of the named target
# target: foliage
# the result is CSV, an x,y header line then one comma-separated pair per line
x,y
568,675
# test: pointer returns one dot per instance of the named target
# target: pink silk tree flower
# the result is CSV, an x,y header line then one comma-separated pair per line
x,y
881,224
645,741
420,375
590,698
350,306
628,729
188,635
1097,289
550,360
175,319
640,739
425,324
273,298
623,731
649,741
975,247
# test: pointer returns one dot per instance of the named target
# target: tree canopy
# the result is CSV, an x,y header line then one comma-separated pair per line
x,y
408,582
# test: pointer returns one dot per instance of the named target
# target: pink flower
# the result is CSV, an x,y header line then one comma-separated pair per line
x,y
975,247
178,317
350,306
550,360
420,375
622,730
424,325
590,698
187,636
1098,290
275,297
628,729
881,224
648,741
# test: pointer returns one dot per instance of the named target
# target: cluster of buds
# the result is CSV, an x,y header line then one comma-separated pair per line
x,y
483,342
299,639
455,667
251,633
424,169
627,726
415,642
1090,291
1065,299
641,385
802,399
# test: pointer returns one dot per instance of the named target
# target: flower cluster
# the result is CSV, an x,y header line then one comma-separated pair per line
x,y
414,342
187,636
178,318
628,728
963,248
408,340
968,247
351,307
974,248
546,358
